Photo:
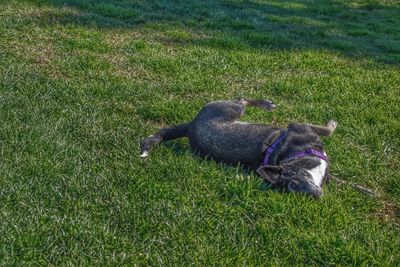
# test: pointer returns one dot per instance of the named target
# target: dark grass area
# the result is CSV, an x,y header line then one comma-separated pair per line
x,y
358,28
82,82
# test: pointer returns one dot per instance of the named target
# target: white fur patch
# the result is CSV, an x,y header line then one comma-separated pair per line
x,y
144,154
318,172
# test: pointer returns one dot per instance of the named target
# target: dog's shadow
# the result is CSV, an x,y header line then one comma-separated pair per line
x,y
178,147
181,147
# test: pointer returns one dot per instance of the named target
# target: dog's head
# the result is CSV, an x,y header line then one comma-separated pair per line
x,y
291,179
295,170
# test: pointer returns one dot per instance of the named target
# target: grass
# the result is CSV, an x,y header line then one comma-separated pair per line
x,y
83,82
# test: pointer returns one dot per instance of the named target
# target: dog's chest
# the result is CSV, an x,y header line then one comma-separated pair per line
x,y
318,172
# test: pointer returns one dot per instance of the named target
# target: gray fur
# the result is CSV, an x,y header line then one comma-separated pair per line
x,y
213,133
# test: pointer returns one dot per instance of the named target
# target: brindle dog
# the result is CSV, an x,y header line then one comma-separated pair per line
x,y
216,133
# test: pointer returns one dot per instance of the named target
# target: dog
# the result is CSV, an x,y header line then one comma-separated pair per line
x,y
291,159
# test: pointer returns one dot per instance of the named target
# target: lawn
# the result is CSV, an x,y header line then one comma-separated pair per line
x,y
83,82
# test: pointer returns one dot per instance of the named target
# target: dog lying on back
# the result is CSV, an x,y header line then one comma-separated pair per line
x,y
291,159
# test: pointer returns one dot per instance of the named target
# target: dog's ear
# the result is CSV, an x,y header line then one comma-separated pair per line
x,y
270,173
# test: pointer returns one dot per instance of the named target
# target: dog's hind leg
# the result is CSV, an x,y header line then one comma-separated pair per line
x,y
163,134
231,110
221,111
324,130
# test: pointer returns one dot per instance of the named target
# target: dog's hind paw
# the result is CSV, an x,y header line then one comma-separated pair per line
x,y
144,154
332,125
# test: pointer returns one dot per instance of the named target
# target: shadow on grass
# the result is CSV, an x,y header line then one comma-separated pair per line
x,y
180,147
365,29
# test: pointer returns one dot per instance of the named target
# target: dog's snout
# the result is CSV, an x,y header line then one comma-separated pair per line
x,y
307,187
318,193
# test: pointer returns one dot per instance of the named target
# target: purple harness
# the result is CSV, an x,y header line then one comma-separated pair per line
x,y
308,152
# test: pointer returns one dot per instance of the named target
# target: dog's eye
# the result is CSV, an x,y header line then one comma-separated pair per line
x,y
293,185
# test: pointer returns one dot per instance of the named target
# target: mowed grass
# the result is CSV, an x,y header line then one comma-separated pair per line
x,y
83,82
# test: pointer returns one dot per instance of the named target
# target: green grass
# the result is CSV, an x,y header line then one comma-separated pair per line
x,y
83,82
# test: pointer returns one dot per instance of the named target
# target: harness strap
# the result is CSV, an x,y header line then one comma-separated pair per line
x,y
308,152
271,148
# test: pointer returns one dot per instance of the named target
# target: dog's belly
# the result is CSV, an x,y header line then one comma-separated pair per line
x,y
231,143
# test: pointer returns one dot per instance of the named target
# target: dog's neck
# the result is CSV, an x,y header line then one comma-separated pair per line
x,y
318,173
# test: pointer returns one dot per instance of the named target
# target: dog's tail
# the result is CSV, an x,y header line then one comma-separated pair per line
x,y
163,134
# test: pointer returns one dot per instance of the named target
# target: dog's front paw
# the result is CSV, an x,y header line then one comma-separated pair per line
x,y
332,125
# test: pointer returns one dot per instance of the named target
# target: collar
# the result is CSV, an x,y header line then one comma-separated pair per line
x,y
308,152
